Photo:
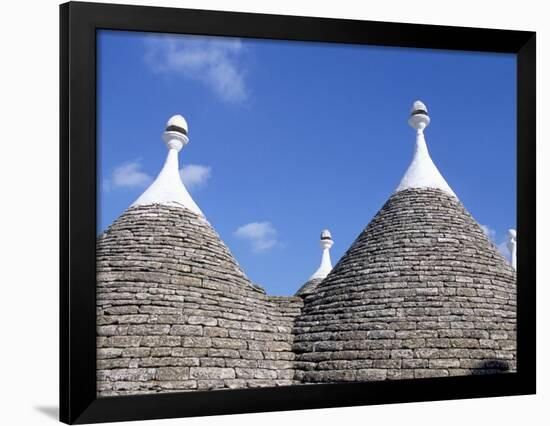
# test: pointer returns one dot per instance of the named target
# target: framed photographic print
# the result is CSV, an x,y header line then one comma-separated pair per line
x,y
205,157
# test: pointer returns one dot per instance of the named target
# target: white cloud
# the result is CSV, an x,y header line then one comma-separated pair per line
x,y
127,175
195,175
216,62
261,235
492,235
490,232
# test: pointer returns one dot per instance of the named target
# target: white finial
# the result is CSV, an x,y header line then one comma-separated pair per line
x,y
176,132
168,188
419,118
422,172
326,264
178,121
512,246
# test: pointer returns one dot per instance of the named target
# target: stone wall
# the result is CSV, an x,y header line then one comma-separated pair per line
x,y
421,293
175,312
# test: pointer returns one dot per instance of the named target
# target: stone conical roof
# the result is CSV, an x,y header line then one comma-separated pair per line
x,y
175,311
421,292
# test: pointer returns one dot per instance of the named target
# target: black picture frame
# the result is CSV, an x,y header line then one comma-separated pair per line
x,y
79,23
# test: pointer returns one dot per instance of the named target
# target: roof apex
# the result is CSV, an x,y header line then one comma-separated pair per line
x,y
422,172
168,187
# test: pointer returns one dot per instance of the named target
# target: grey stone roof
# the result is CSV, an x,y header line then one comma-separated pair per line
x,y
422,292
175,312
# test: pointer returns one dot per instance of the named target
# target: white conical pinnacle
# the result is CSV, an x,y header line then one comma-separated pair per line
x,y
326,265
422,172
168,188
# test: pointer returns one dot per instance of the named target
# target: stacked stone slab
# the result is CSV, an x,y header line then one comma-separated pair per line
x,y
422,292
175,311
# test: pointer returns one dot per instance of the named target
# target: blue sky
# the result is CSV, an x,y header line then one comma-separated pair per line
x,y
289,138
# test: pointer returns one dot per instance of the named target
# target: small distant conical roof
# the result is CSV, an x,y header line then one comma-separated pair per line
x,y
422,292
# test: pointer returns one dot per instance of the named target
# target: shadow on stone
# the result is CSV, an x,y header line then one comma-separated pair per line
x,y
491,366
495,364
49,411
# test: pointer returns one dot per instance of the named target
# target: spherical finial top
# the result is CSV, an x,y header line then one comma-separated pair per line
x,y
419,106
175,134
419,118
177,124
512,234
325,235
326,239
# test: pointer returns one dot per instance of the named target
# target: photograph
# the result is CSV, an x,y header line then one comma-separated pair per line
x,y
277,213
274,213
